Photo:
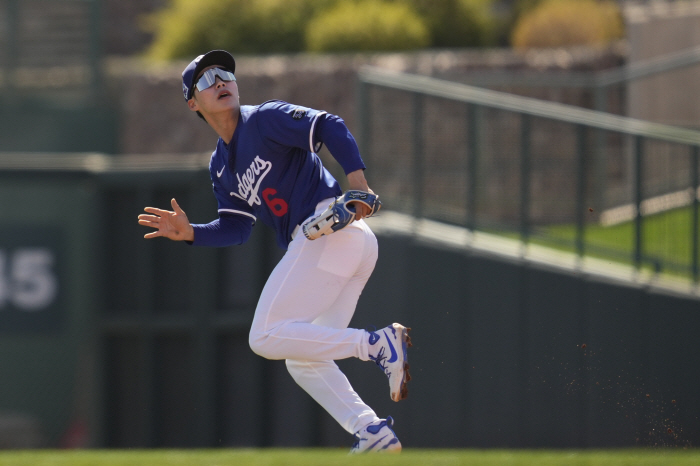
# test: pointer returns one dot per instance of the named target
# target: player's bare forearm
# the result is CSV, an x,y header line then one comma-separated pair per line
x,y
172,225
356,180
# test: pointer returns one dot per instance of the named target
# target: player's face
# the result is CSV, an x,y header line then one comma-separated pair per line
x,y
221,96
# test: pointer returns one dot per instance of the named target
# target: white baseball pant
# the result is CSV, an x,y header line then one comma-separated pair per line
x,y
304,311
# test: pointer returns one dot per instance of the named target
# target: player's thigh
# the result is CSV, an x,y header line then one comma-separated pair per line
x,y
339,314
305,283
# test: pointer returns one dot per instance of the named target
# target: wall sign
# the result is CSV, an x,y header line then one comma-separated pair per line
x,y
31,279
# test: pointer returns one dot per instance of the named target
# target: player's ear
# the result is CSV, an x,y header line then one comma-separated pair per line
x,y
192,104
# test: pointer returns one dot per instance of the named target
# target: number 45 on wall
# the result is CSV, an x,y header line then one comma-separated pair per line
x,y
27,279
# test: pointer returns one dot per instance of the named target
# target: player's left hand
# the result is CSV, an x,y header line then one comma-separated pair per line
x,y
357,181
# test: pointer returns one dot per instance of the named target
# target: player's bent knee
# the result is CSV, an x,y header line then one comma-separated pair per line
x,y
259,343
256,343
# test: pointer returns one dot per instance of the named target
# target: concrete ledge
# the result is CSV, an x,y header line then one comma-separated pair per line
x,y
394,223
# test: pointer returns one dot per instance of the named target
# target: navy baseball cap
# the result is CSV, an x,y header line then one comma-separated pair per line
x,y
215,57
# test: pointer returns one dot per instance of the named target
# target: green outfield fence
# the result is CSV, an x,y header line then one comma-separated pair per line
x,y
112,340
575,179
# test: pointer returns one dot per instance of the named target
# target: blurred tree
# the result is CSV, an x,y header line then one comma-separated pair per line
x,y
188,27
458,23
561,23
366,25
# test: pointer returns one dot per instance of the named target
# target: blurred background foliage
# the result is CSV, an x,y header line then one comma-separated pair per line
x,y
187,27
557,23
366,25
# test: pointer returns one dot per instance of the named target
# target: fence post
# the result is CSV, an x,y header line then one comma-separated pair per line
x,y
418,155
525,137
695,153
581,189
599,160
638,221
473,148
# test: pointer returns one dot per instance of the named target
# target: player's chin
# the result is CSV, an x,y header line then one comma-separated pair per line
x,y
226,105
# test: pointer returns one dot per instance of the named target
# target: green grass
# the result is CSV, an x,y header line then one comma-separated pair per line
x,y
666,240
331,457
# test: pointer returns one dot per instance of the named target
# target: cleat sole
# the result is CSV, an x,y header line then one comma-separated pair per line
x,y
403,391
403,394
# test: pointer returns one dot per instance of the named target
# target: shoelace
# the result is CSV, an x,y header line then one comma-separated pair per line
x,y
380,358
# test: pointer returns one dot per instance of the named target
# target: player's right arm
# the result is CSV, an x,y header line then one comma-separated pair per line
x,y
227,230
233,226
235,222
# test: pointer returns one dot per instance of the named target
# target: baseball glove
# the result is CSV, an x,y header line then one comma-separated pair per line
x,y
340,213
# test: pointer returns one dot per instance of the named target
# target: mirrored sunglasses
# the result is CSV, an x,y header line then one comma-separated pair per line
x,y
208,78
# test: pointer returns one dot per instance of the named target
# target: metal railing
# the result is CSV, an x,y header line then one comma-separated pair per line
x,y
544,171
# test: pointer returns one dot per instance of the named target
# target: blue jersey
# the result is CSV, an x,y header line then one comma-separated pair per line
x,y
270,170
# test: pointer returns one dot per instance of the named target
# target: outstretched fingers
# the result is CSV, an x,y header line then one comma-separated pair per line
x,y
149,220
156,211
153,221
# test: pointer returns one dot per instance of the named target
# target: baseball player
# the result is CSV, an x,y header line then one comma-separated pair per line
x,y
265,168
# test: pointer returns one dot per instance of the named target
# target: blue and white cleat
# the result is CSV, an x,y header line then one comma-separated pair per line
x,y
377,437
387,348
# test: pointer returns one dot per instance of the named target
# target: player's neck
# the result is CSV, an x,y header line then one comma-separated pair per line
x,y
225,125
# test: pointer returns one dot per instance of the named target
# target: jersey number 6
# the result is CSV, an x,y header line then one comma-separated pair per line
x,y
277,206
